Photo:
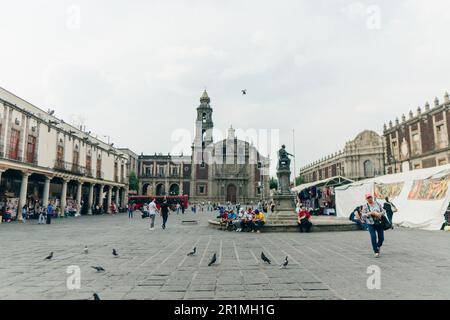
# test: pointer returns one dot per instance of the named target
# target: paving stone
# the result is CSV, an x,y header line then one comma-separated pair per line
x,y
153,265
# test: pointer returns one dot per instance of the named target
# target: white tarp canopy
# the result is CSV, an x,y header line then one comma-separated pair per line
x,y
333,181
422,214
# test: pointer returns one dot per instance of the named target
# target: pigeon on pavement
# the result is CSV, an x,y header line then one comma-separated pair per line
x,y
96,297
213,260
85,250
99,269
115,254
284,264
193,252
50,256
264,258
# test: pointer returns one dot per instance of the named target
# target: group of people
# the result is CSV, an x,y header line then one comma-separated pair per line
x,y
371,217
150,210
245,220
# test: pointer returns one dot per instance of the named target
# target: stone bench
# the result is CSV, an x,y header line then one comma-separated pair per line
x,y
320,224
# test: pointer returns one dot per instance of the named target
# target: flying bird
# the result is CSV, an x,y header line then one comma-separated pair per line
x,y
284,264
96,297
244,91
50,256
213,260
264,258
193,252
99,269
85,250
115,254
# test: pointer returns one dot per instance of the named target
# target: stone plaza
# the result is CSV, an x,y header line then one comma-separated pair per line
x,y
414,264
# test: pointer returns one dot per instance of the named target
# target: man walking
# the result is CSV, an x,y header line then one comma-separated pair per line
x,y
49,213
152,209
130,211
164,212
41,215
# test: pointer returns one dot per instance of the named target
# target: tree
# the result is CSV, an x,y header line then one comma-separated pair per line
x,y
273,184
133,181
299,180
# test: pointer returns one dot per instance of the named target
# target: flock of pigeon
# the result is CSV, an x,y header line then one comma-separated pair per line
x,y
263,258
190,254
97,268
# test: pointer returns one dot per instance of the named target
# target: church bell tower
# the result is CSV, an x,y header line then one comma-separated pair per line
x,y
204,124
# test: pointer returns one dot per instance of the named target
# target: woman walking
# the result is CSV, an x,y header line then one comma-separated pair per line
x,y
371,216
389,208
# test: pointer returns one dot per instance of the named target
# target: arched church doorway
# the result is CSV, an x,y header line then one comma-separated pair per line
x,y
231,193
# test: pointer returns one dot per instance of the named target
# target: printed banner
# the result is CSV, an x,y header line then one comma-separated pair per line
x,y
429,189
390,190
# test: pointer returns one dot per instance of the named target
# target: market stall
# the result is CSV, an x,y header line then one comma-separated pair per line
x,y
421,196
319,196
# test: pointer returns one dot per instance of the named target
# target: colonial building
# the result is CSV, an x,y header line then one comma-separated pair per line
x,y
361,158
228,170
164,174
419,141
132,158
44,159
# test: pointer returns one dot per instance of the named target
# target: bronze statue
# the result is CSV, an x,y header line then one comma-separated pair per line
x,y
283,158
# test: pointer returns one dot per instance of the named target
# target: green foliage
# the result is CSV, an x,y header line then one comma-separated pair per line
x,y
133,181
273,183
299,180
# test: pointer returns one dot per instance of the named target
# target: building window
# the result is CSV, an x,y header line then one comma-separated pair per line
x,y
442,161
395,150
99,168
441,137
31,149
149,171
415,143
116,172
201,189
174,171
14,144
89,165
161,171
76,158
60,156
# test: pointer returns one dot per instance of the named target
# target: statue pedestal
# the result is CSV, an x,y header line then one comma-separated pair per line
x,y
284,200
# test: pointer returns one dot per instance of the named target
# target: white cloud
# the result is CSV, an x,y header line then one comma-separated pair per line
x,y
314,65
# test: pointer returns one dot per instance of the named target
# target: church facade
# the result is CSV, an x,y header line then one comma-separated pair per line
x,y
228,170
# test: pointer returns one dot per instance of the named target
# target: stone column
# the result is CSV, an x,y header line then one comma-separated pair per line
x,y
101,196
1,172
90,199
122,198
108,204
63,197
125,196
79,192
46,194
23,194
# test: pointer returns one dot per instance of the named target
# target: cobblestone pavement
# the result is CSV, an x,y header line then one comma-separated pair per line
x,y
154,265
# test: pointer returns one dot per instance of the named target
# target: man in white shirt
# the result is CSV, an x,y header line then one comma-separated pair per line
x,y
152,210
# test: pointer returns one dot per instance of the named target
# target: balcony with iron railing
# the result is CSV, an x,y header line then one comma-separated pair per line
x,y
69,167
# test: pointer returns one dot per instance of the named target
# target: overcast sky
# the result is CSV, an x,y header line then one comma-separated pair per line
x,y
134,70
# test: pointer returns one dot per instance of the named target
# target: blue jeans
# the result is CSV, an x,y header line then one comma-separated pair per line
x,y
361,225
164,217
375,230
130,213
